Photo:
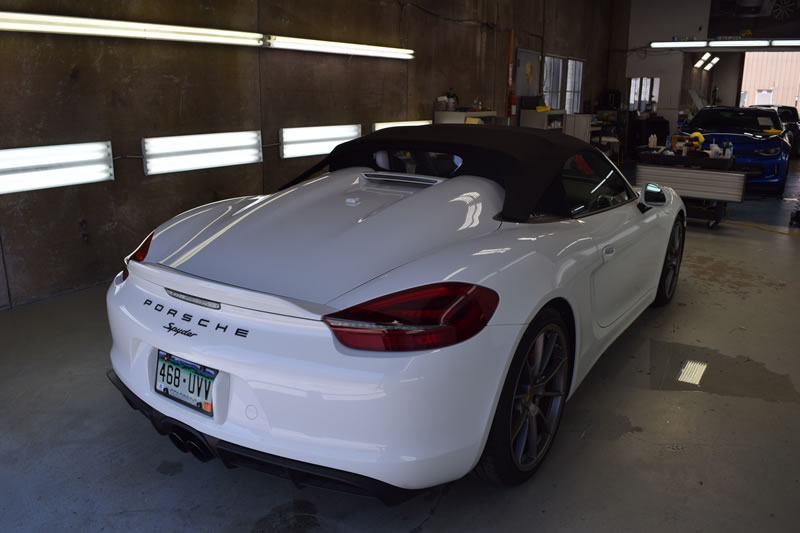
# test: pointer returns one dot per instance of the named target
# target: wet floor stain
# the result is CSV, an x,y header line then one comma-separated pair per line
x,y
298,516
599,424
724,375
728,276
170,468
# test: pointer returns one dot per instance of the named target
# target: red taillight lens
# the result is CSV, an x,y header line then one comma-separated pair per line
x,y
138,255
422,318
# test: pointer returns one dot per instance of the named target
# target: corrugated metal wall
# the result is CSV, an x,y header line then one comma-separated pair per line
x,y
776,71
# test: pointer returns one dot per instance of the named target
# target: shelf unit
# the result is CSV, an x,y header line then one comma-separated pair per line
x,y
576,124
458,117
552,119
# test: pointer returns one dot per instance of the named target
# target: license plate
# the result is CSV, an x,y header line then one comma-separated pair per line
x,y
185,382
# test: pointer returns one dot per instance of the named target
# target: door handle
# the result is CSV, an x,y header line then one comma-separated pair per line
x,y
608,251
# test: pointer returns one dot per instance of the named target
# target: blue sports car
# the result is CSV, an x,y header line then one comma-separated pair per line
x,y
791,121
760,143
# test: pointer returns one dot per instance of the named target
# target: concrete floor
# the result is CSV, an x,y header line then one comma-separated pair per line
x,y
637,450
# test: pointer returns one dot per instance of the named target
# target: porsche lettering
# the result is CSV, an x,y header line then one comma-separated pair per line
x,y
189,318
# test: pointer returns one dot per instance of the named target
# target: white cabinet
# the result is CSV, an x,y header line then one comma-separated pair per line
x,y
578,126
544,120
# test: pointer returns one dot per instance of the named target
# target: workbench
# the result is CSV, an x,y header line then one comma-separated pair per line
x,y
705,184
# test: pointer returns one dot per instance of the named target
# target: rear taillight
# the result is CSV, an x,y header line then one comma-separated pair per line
x,y
422,318
138,255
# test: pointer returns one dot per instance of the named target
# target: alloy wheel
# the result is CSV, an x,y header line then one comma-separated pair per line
x,y
672,263
539,397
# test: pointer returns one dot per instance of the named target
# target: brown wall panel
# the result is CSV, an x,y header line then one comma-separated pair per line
x,y
63,89
5,301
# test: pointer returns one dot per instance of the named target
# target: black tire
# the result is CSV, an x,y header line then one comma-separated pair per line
x,y
781,188
672,263
530,402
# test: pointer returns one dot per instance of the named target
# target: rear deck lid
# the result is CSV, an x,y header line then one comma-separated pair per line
x,y
324,237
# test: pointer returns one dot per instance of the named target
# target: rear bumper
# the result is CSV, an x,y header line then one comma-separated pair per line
x,y
205,447
290,390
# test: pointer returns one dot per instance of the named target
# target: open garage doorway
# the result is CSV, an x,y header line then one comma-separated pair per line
x,y
771,78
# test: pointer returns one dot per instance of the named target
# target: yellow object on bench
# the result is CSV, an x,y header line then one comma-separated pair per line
x,y
697,139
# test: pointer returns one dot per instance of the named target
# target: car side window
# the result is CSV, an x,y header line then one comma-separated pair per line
x,y
591,184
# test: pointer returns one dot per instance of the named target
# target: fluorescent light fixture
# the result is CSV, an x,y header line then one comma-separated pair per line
x,y
737,44
317,140
702,60
383,125
332,47
678,44
192,152
711,63
786,42
26,22
43,167
692,372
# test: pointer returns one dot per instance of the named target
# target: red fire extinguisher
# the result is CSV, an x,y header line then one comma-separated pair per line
x,y
512,105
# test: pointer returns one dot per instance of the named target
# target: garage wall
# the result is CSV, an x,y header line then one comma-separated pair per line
x,y
5,300
62,89
458,44
663,21
697,79
727,77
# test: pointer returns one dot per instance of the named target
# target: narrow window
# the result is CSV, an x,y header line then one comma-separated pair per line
x,y
552,81
574,79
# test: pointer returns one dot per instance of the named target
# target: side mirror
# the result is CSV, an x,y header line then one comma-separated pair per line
x,y
651,195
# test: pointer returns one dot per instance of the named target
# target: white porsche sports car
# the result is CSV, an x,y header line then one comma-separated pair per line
x,y
423,309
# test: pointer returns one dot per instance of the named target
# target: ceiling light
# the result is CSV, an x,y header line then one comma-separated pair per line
x,y
678,44
786,42
317,140
383,125
192,152
702,60
26,22
42,167
692,372
711,63
737,44
332,47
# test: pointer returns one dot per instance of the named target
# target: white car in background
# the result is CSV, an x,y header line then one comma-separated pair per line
x,y
423,309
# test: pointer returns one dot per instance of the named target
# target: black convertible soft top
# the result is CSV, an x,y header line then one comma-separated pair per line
x,y
526,162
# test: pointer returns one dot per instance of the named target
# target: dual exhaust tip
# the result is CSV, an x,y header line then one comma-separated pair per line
x,y
188,443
